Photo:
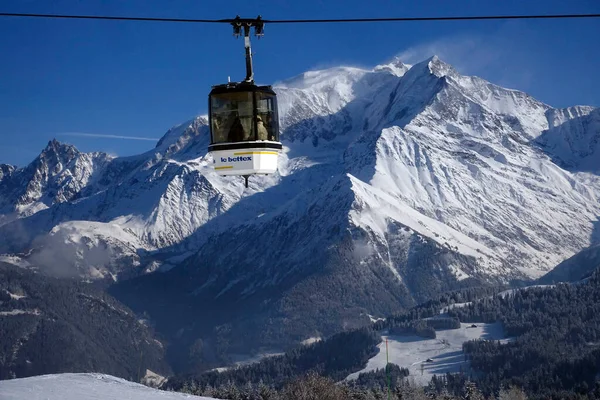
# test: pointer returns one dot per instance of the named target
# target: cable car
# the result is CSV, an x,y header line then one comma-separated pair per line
x,y
243,119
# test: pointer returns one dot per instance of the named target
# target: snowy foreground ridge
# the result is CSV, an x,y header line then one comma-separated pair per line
x,y
83,387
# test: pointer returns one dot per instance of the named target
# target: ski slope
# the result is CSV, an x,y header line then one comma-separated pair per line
x,y
412,352
83,387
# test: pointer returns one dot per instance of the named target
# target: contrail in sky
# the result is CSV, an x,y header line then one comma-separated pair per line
x,y
99,135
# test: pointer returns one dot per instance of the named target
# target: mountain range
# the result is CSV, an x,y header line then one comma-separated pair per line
x,y
395,184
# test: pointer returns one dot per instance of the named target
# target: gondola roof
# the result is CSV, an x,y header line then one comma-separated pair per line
x,y
241,87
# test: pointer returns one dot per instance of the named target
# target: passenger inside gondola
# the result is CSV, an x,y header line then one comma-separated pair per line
x,y
236,132
269,126
262,132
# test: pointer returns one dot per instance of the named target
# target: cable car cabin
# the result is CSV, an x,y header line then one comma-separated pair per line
x,y
244,128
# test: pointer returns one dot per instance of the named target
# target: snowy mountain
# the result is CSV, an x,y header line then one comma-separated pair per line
x,y
134,204
83,387
572,138
395,184
57,175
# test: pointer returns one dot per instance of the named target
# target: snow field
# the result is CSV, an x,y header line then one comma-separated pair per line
x,y
83,387
412,352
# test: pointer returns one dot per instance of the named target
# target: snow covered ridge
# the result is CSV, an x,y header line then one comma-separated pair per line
x,y
489,173
83,387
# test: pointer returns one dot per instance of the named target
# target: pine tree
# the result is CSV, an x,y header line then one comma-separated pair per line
x,y
512,393
471,392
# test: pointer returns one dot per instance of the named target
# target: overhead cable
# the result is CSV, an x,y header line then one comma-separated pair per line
x,y
304,21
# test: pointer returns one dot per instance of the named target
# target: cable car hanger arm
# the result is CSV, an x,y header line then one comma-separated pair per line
x,y
258,25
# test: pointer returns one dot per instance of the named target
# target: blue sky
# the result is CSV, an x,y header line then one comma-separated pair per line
x,y
138,79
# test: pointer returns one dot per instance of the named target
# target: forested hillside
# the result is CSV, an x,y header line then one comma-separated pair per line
x,y
557,339
50,325
336,357
554,351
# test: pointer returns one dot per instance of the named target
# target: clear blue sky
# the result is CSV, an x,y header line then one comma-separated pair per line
x,y
138,78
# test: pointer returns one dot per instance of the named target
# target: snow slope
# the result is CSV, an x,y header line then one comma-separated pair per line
x,y
572,138
461,153
83,387
445,351
576,268
88,248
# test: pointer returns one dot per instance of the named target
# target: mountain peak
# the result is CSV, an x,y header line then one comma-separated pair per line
x,y
438,67
56,147
395,67
6,170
